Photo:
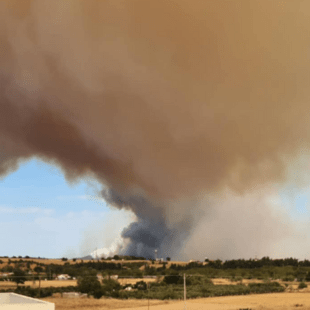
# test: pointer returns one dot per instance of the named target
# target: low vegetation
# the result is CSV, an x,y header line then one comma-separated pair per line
x,y
168,277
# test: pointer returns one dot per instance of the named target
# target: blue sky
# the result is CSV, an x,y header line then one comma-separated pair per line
x,y
42,215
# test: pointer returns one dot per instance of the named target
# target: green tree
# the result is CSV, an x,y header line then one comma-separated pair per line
x,y
38,269
173,279
110,285
88,284
111,288
19,276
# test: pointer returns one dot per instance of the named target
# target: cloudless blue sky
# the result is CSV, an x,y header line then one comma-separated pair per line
x,y
42,215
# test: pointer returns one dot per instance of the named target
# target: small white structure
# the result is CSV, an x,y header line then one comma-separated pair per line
x,y
113,277
63,277
12,301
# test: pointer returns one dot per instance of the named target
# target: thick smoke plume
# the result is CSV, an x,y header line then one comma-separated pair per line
x,y
164,101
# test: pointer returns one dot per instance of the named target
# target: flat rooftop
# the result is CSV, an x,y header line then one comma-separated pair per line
x,y
10,300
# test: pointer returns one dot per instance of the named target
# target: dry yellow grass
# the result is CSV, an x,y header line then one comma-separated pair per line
x,y
63,283
223,281
5,284
134,281
61,262
39,260
51,283
101,304
279,301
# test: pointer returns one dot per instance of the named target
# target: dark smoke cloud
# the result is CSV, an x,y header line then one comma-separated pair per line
x,y
152,230
162,101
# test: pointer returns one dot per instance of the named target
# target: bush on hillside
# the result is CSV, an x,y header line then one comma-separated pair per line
x,y
302,285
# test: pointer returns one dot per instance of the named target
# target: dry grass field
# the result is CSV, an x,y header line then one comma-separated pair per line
x,y
124,281
40,260
135,280
51,283
278,301
61,262
63,283
101,304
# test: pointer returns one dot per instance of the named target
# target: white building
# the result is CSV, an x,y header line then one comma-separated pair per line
x,y
63,277
12,301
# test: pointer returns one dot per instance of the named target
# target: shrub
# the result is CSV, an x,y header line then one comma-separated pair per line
x,y
308,276
88,285
173,279
98,293
266,287
38,269
302,285
110,285
289,278
141,285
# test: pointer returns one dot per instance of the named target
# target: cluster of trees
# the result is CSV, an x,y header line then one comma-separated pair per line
x,y
22,268
265,261
244,264
171,287
286,269
89,284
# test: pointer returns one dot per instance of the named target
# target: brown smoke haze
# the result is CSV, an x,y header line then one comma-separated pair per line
x,y
167,103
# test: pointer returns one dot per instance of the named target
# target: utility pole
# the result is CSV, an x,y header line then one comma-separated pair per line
x,y
148,296
184,291
39,286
